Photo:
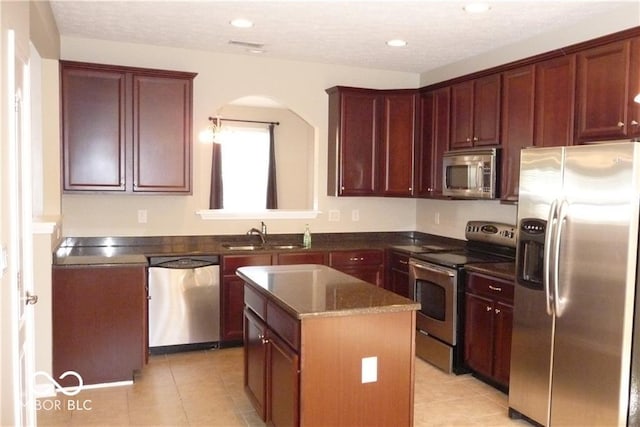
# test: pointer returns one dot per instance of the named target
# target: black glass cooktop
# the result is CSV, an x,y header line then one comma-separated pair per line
x,y
457,259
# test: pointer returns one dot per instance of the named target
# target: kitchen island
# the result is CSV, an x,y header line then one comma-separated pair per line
x,y
324,348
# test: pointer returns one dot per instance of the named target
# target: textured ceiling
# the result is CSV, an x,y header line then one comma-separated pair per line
x,y
351,33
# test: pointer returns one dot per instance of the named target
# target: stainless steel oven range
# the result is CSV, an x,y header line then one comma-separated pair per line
x,y
437,283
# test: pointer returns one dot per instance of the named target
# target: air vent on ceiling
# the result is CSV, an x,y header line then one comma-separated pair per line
x,y
249,45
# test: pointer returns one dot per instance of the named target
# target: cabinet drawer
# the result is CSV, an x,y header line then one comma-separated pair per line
x,y
358,257
232,262
490,286
399,261
255,302
302,258
282,323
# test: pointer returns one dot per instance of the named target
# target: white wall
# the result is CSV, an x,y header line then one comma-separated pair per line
x,y
222,78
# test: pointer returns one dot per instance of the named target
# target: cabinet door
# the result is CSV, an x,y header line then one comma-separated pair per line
x,y
517,126
255,362
398,138
161,134
462,115
478,334
94,135
502,342
634,85
354,135
433,141
398,280
603,82
486,111
554,102
283,383
99,320
232,294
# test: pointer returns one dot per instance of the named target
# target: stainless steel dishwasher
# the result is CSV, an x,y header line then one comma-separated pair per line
x,y
184,303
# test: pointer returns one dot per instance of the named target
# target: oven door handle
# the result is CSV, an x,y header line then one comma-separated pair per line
x,y
431,268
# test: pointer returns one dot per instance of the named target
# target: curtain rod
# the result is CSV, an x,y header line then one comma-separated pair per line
x,y
244,121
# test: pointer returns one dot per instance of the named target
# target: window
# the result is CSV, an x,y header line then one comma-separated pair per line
x,y
245,167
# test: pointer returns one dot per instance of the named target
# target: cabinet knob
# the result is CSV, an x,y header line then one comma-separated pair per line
x,y
468,139
497,311
495,288
634,123
620,124
488,308
475,139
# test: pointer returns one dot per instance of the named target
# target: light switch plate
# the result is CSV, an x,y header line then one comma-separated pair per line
x,y
369,370
142,216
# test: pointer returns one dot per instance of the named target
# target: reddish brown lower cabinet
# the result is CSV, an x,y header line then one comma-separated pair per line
x,y
398,268
488,326
99,322
232,295
288,258
365,264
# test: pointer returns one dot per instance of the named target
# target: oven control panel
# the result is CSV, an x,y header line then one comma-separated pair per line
x,y
496,233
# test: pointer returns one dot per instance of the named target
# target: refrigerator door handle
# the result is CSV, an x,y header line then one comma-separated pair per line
x,y
548,239
561,219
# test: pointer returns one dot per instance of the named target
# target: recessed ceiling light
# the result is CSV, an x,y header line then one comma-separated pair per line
x,y
241,23
476,7
396,43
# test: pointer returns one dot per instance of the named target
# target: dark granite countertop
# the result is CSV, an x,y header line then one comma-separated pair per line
x,y
502,270
118,250
317,290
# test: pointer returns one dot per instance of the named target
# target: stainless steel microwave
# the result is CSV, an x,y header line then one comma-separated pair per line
x,y
470,174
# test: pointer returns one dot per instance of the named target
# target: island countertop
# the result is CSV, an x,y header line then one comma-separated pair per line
x,y
317,290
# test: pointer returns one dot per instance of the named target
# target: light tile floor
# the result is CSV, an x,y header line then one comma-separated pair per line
x,y
204,388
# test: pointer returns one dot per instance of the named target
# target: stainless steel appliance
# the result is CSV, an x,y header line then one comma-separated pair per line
x,y
470,174
572,358
437,283
184,303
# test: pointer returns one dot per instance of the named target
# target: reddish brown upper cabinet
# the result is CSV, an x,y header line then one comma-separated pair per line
x,y
125,129
606,85
354,134
517,126
555,102
475,112
432,142
398,139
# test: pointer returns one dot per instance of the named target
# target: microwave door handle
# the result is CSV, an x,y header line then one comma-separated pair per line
x,y
479,177
555,273
546,264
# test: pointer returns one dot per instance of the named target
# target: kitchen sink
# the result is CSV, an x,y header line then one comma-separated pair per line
x,y
241,247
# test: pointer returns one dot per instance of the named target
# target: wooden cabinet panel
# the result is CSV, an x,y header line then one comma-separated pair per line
x,y
289,258
488,326
517,126
478,337
162,134
255,363
125,129
232,294
398,137
99,316
367,265
554,102
93,132
433,141
398,268
475,112
284,384
354,132
603,90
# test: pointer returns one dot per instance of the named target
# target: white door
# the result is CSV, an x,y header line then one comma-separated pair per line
x,y
20,251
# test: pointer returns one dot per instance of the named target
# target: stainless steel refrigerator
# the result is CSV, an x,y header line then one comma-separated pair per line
x,y
572,359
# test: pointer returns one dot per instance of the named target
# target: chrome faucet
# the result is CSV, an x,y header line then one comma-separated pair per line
x,y
262,233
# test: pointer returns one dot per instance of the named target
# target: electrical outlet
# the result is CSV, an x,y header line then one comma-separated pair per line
x,y
355,215
142,216
369,370
334,215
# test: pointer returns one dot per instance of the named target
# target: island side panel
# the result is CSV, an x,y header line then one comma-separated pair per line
x,y
332,392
